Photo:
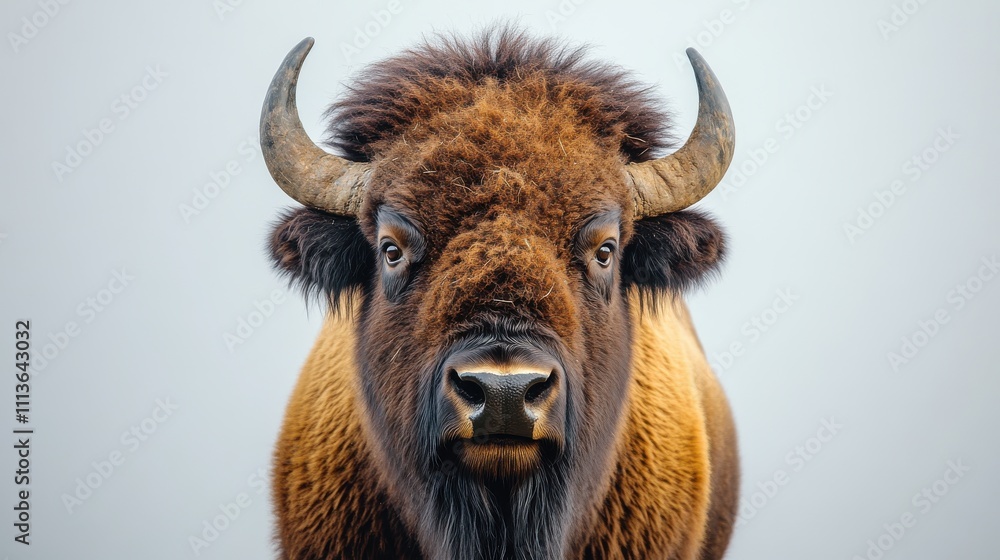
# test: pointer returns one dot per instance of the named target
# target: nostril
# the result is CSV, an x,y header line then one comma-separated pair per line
x,y
468,389
539,387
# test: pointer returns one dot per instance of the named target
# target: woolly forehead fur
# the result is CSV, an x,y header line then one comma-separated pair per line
x,y
458,129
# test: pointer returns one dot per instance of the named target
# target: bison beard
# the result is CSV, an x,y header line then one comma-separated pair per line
x,y
498,519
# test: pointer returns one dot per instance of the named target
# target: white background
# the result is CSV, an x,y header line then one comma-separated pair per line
x,y
196,276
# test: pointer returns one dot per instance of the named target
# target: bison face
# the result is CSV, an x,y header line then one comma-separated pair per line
x,y
487,242
495,310
497,328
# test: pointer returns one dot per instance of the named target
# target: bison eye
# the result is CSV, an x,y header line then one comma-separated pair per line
x,y
393,254
604,254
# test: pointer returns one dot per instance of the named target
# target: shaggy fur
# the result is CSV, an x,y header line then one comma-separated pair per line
x,y
672,253
492,156
389,97
322,254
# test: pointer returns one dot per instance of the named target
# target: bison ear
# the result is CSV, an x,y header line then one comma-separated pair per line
x,y
672,252
322,253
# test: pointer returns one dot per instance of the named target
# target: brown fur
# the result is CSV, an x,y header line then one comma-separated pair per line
x,y
389,98
673,493
497,152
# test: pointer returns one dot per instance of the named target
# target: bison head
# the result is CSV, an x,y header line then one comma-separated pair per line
x,y
495,208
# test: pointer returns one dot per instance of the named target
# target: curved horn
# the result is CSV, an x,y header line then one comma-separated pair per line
x,y
674,182
302,169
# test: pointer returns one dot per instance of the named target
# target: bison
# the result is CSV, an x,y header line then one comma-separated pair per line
x,y
507,368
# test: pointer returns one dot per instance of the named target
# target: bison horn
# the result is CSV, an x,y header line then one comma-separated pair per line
x,y
302,169
674,182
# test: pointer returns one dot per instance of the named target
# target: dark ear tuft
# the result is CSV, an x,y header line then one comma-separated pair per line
x,y
672,253
322,253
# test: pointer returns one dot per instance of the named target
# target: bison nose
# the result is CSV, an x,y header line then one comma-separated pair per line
x,y
504,404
